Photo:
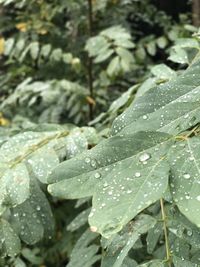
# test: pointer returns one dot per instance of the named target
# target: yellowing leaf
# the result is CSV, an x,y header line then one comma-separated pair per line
x,y
90,100
2,45
42,31
3,121
21,26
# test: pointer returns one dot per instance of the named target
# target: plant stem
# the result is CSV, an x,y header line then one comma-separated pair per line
x,y
164,219
196,12
90,62
35,147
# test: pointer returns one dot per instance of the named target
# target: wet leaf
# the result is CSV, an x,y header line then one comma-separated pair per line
x,y
125,174
185,183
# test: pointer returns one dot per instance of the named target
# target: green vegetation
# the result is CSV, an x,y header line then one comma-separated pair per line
x,y
99,133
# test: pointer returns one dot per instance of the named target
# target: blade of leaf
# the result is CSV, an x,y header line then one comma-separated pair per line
x,y
9,241
124,173
124,241
184,158
183,88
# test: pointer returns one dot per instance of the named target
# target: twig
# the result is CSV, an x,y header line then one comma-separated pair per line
x,y
90,62
164,218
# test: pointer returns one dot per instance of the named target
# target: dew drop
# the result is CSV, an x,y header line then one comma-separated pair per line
x,y
186,116
93,163
97,175
186,176
87,160
189,232
137,174
144,157
145,117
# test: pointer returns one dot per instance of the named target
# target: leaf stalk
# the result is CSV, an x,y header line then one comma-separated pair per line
x,y
164,219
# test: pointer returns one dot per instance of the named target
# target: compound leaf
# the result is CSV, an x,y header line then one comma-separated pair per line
x,y
125,174
171,107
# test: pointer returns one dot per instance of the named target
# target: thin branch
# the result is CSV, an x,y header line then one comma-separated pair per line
x,y
35,147
90,62
196,12
164,219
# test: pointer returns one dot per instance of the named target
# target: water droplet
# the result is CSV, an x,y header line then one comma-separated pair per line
x,y
145,117
87,160
93,163
189,232
186,116
97,175
198,198
137,174
144,157
186,176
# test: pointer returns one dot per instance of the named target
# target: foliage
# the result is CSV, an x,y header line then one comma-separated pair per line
x,y
122,191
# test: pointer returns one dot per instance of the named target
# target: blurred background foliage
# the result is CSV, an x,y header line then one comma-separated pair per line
x,y
83,62
44,49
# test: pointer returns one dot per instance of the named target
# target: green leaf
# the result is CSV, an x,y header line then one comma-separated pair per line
x,y
9,43
114,66
36,154
45,50
96,45
125,43
137,162
145,86
104,55
162,42
121,243
34,50
85,251
19,263
181,227
179,55
153,237
116,33
79,220
151,48
9,242
183,263
154,263
31,257
128,262
125,54
67,58
33,219
19,46
187,43
43,162
56,54
162,71
122,100
184,158
171,107
15,185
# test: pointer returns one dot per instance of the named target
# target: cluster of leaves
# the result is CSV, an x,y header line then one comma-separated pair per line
x,y
127,195
48,101
33,44
27,159
150,159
